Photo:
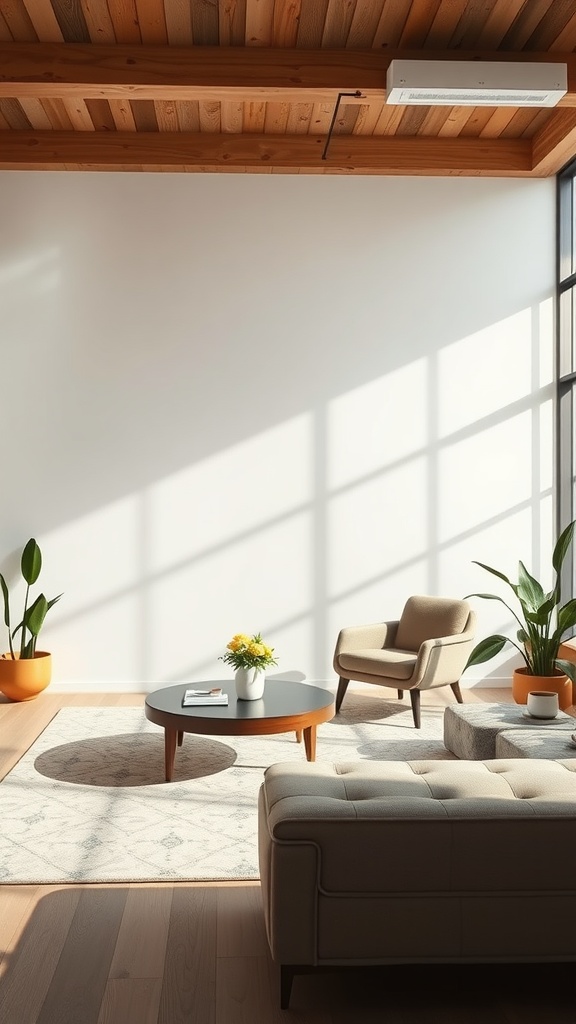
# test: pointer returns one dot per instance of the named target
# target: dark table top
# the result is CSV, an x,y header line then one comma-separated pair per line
x,y
282,699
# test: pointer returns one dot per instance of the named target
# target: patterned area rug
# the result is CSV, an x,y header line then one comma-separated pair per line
x,y
87,802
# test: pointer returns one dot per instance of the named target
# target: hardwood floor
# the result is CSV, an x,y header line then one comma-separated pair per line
x,y
196,953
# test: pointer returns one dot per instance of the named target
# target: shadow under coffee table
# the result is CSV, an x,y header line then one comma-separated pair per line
x,y
285,707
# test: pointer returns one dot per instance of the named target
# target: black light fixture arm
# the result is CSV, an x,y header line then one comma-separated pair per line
x,y
357,94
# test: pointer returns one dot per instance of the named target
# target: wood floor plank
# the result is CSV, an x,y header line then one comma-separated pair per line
x,y
248,991
141,945
190,972
32,965
15,904
131,1001
20,725
79,982
241,930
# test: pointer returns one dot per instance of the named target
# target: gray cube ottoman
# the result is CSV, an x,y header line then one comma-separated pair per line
x,y
554,745
470,730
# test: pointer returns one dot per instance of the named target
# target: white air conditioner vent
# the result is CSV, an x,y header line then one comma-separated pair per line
x,y
475,83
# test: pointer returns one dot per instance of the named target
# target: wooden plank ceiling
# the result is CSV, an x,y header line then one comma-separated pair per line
x,y
271,86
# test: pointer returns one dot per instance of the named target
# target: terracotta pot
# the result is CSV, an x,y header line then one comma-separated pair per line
x,y
25,679
523,683
567,651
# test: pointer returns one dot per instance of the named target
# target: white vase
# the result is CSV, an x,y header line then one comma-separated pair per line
x,y
249,683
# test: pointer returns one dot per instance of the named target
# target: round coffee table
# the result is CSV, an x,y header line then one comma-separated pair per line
x,y
285,707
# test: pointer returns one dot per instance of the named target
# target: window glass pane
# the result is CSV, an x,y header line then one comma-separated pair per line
x,y
570,460
565,486
566,227
566,353
570,243
565,489
571,427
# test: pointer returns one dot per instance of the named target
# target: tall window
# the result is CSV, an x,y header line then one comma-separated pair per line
x,y
566,358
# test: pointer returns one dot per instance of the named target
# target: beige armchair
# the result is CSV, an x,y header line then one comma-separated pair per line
x,y
427,647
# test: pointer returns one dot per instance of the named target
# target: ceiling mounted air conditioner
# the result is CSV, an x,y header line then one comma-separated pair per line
x,y
475,83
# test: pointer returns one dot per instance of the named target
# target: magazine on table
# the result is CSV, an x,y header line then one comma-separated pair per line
x,y
197,698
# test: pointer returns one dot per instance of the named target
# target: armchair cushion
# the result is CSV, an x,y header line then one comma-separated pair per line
x,y
388,662
425,618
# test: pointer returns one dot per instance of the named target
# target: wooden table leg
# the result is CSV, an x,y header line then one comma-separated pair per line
x,y
170,737
299,735
180,738
310,743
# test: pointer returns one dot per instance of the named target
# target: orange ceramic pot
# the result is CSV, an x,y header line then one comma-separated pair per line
x,y
523,684
24,679
567,651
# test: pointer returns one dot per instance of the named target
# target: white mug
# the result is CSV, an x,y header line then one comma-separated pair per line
x,y
542,704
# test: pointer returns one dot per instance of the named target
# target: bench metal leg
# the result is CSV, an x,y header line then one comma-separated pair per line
x,y
287,973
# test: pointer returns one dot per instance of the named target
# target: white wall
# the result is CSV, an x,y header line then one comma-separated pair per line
x,y
279,403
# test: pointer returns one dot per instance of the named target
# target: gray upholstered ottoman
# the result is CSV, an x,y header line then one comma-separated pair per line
x,y
470,730
553,745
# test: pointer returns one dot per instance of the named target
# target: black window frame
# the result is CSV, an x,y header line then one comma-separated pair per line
x,y
566,362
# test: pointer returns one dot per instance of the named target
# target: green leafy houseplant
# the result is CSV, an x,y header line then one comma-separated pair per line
x,y
543,621
245,651
34,613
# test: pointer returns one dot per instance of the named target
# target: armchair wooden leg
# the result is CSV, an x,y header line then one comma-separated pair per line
x,y
455,687
415,700
400,694
342,687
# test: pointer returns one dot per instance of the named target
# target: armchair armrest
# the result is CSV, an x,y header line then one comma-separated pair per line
x,y
441,661
375,635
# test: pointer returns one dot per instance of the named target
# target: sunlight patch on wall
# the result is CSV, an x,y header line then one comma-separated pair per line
x,y
96,557
375,527
95,631
106,643
380,601
42,268
209,505
261,582
379,423
485,372
483,476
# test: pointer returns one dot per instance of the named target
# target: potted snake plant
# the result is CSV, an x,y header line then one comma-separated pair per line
x,y
24,670
543,621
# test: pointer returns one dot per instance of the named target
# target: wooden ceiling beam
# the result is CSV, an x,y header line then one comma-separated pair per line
x,y
70,71
554,145
165,150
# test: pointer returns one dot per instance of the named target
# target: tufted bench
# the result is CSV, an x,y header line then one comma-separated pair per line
x,y
393,861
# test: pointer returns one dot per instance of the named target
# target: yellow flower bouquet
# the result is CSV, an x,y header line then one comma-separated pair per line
x,y
245,651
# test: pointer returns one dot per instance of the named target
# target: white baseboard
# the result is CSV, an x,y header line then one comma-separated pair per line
x,y
132,686
104,687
